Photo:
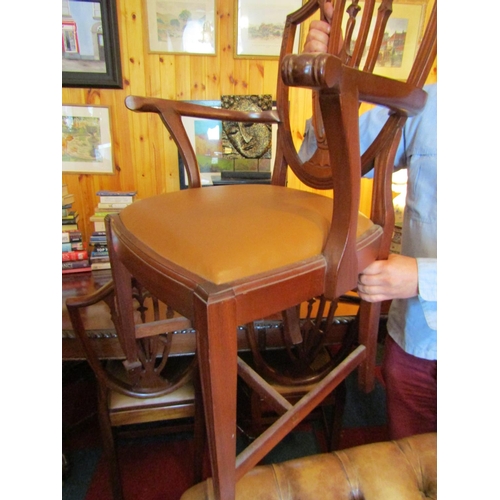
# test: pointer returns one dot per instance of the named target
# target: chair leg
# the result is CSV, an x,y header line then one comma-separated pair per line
x,y
109,448
368,332
216,344
335,428
200,436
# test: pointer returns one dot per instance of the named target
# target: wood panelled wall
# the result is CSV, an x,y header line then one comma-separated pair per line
x,y
145,157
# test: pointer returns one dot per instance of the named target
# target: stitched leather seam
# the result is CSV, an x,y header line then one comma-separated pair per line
x,y
346,466
419,475
278,486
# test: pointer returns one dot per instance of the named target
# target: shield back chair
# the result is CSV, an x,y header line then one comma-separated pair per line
x,y
157,388
229,255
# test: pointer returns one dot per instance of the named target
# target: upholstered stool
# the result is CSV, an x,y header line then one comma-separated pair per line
x,y
397,470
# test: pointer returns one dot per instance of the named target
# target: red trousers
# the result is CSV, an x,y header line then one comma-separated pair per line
x,y
411,392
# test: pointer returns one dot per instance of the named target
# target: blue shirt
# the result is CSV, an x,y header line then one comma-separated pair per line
x,y
412,322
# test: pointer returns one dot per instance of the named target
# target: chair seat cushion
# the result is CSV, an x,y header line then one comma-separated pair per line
x,y
124,410
226,233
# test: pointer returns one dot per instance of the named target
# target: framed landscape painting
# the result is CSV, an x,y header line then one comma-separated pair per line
x,y
90,44
259,26
181,26
402,37
86,140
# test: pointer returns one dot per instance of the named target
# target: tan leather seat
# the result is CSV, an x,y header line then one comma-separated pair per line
x,y
397,470
229,252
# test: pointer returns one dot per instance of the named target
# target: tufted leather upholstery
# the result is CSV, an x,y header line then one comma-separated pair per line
x,y
397,470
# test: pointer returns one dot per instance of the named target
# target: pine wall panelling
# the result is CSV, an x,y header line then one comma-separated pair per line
x,y
145,157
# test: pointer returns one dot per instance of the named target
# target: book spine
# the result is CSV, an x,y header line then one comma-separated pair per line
x,y
104,192
86,269
99,226
100,249
76,264
116,199
72,246
112,205
68,236
99,258
100,265
75,255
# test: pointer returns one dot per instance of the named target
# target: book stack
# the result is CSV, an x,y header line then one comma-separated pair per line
x,y
75,258
110,202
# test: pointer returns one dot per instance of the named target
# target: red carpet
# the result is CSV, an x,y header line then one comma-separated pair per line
x,y
159,467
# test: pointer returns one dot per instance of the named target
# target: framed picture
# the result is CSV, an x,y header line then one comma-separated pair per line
x,y
181,26
90,44
218,155
86,140
403,34
259,26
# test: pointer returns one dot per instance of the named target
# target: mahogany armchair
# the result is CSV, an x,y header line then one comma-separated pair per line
x,y
229,255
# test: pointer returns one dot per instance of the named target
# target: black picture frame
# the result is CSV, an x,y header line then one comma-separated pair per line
x,y
112,77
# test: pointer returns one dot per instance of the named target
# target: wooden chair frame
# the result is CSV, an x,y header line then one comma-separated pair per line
x,y
151,345
216,309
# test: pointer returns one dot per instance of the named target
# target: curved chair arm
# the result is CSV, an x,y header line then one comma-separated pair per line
x,y
171,113
106,293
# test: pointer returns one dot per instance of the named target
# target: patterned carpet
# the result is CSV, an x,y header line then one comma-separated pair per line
x,y
158,467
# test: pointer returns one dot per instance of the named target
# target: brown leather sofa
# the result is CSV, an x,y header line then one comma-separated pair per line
x,y
395,470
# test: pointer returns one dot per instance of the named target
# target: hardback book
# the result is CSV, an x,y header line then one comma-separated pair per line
x,y
98,255
75,255
69,227
64,189
76,264
85,269
68,199
99,258
102,212
104,192
103,206
95,266
70,214
99,226
73,246
70,220
116,199
100,249
98,240
98,237
68,236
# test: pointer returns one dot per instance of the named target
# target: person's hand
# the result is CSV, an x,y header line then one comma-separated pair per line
x,y
319,31
394,278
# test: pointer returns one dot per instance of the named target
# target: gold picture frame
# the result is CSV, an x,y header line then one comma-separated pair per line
x,y
86,140
181,26
258,27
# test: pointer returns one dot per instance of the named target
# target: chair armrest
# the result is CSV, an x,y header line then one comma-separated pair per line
x,y
92,298
171,113
321,71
